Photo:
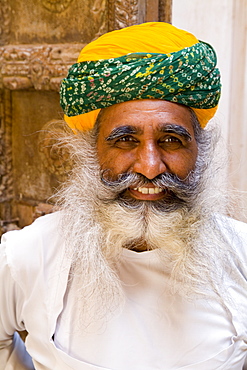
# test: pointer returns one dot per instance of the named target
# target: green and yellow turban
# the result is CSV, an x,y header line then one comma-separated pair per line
x,y
149,61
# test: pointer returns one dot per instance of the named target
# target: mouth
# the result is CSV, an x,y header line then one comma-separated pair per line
x,y
145,190
147,193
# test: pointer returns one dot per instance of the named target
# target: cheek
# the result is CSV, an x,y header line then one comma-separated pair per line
x,y
182,164
114,161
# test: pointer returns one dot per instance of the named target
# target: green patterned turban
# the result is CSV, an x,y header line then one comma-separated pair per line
x,y
188,76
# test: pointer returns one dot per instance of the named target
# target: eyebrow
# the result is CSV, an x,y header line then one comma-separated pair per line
x,y
120,131
176,129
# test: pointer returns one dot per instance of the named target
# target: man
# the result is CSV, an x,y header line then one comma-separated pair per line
x,y
139,269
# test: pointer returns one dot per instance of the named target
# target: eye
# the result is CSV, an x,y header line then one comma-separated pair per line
x,y
170,142
125,139
126,142
172,139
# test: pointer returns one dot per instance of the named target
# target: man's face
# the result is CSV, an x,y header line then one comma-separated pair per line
x,y
147,137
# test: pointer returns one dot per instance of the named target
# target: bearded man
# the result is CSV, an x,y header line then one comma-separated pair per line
x,y
139,269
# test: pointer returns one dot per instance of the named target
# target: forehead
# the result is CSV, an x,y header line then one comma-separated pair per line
x,y
144,114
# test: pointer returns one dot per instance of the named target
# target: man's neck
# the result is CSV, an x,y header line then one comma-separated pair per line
x,y
138,247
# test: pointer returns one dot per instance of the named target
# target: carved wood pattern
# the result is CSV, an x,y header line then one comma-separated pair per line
x,y
122,13
56,6
126,13
41,67
98,15
5,17
6,178
2,148
129,12
54,156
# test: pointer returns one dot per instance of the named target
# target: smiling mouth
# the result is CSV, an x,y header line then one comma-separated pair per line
x,y
147,193
144,190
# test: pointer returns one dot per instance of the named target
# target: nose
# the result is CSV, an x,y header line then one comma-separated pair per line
x,y
149,161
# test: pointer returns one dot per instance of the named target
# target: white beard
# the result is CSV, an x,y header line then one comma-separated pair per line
x,y
188,239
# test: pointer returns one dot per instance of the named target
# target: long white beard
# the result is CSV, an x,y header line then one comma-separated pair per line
x,y
188,239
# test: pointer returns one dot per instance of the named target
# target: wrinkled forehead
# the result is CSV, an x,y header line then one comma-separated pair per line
x,y
142,113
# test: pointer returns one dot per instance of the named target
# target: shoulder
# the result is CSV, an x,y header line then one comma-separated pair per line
x,y
35,247
234,233
239,226
35,271
235,280
233,230
44,229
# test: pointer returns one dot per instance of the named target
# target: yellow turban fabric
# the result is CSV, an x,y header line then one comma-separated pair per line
x,y
156,39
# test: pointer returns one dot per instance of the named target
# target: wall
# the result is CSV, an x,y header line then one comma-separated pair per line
x,y
224,25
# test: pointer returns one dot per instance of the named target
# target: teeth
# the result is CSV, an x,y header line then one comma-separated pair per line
x,y
157,190
149,190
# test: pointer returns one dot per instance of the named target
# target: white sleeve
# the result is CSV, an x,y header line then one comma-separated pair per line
x,y
13,355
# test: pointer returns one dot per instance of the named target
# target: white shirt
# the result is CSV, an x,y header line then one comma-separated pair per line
x,y
154,331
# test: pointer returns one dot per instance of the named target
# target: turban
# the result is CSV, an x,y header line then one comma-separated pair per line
x,y
152,60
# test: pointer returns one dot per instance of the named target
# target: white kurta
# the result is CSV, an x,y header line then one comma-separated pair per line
x,y
154,331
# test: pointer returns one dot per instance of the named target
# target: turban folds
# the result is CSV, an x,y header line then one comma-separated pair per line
x,y
148,61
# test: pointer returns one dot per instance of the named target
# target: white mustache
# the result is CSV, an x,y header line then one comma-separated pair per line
x,y
182,189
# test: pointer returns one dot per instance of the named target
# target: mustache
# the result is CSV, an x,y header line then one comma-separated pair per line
x,y
184,190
